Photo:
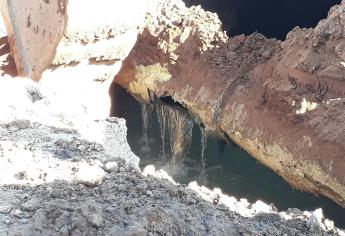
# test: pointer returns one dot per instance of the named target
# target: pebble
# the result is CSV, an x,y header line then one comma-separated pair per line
x,y
111,167
16,213
149,193
54,193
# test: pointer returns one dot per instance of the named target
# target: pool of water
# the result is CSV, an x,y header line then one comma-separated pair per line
x,y
225,166
273,18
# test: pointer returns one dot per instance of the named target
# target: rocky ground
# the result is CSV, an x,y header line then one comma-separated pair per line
x,y
67,170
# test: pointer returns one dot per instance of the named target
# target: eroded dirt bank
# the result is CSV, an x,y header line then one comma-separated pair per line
x,y
281,101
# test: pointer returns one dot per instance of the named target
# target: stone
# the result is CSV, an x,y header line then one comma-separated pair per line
x,y
16,213
149,170
111,167
90,176
260,207
93,214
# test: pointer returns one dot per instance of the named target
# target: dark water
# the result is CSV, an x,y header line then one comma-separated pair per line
x,y
273,18
225,165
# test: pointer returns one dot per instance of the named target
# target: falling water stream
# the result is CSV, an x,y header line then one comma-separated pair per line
x,y
174,142
178,129
162,127
203,148
146,110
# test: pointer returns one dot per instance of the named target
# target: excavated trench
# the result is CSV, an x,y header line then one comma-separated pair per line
x,y
272,18
165,135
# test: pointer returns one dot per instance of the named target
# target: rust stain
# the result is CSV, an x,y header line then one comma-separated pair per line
x,y
61,7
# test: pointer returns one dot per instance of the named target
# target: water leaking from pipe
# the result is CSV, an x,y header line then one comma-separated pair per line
x,y
162,127
203,149
146,112
228,167
178,127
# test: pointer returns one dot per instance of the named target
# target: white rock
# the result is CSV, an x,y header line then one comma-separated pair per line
x,y
329,224
149,170
306,106
111,167
260,206
217,191
318,214
90,175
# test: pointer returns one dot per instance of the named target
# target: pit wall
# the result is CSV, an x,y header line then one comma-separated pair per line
x,y
280,101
